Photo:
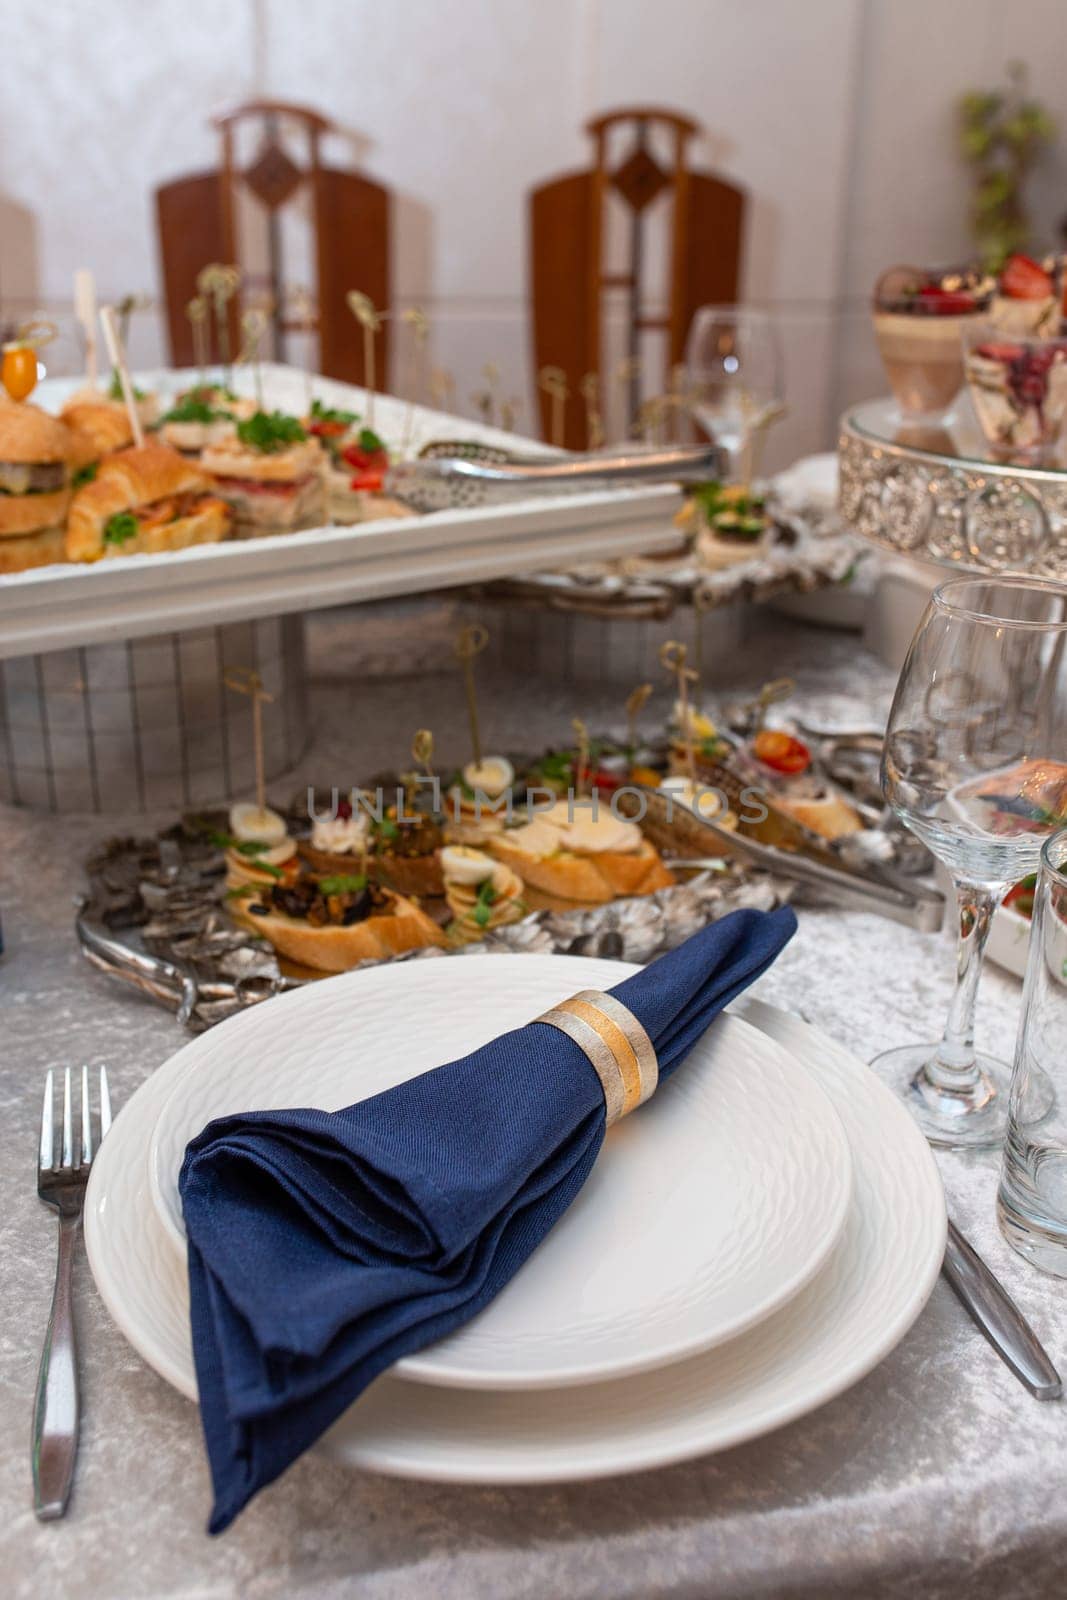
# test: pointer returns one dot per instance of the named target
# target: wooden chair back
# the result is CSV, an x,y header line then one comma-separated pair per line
x,y
569,274
350,219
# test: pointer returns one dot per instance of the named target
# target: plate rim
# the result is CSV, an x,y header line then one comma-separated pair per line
x,y
422,1367
648,1457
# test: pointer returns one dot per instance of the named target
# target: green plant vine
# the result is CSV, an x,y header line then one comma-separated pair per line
x,y
1002,134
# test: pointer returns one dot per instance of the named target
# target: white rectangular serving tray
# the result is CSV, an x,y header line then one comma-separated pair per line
x,y
127,597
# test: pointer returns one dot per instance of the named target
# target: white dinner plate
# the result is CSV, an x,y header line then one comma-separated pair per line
x,y
827,1338
703,1214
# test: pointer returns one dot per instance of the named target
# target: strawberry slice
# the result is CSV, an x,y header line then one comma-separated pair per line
x,y
945,302
1024,279
1001,352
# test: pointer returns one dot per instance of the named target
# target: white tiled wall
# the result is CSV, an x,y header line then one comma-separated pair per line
x,y
837,116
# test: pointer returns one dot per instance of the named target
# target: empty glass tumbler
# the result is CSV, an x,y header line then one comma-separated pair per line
x,y
1032,1200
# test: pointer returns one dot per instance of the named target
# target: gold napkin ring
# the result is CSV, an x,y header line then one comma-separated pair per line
x,y
616,1045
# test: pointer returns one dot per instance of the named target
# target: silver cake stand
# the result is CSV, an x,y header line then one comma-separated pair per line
x,y
930,492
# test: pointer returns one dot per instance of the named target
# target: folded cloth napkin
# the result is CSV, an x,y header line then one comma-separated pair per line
x,y
324,1246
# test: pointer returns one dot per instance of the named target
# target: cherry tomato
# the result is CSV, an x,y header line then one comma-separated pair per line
x,y
780,751
366,479
1021,897
19,370
356,456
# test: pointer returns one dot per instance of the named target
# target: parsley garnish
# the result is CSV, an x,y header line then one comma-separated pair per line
x,y
321,413
343,883
269,432
387,829
84,475
122,526
115,389
369,440
193,409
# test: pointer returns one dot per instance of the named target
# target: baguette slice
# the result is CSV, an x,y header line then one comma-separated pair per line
x,y
829,815
593,879
337,949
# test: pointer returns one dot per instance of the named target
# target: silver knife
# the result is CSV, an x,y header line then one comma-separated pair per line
x,y
994,1311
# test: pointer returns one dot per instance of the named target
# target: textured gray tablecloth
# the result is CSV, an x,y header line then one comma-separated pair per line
x,y
936,1476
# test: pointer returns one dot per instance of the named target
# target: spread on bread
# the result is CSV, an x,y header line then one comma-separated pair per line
x,y
579,851
328,921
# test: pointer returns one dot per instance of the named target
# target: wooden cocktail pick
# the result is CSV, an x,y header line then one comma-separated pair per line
x,y
443,389
627,374
19,367
471,642
197,312
363,309
422,750
117,356
582,774
218,283
300,314
674,656
419,323
85,311
553,380
636,702
703,602
594,422
253,327
244,680
510,412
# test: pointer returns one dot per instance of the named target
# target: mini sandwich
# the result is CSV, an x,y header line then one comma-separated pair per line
x,y
572,854
271,474
357,463
144,501
106,425
329,922
35,471
202,417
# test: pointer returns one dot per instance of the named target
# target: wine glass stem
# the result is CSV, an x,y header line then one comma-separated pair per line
x,y
954,1066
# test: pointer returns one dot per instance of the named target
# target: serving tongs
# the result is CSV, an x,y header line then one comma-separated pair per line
x,y
171,985
452,473
880,890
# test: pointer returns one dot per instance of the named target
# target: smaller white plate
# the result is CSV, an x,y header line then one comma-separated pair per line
x,y
705,1211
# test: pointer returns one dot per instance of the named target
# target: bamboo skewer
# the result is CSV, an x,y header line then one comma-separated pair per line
x,y
85,311
553,381
243,680
197,313
674,656
253,327
218,284
363,309
583,774
594,422
471,642
636,702
117,356
419,324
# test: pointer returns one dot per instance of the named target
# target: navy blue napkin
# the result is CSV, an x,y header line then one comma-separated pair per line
x,y
324,1246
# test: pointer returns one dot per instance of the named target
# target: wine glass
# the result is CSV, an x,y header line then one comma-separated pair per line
x,y
975,763
733,372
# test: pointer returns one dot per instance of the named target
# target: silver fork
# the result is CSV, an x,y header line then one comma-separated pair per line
x,y
61,1184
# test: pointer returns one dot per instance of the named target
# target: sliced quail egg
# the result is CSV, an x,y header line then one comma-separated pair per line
x,y
460,864
492,775
257,825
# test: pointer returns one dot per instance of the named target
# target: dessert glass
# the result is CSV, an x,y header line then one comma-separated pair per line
x,y
1019,390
